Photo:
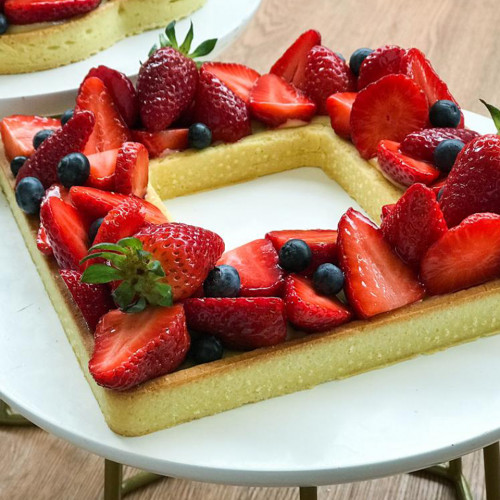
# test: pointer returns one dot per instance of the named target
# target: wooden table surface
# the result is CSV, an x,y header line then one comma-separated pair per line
x,y
461,39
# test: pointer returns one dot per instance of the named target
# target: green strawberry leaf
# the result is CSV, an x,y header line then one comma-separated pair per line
x,y
495,114
131,242
124,294
116,259
170,32
139,306
101,273
112,247
186,44
204,48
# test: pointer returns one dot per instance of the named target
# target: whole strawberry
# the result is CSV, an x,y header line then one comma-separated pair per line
x,y
167,81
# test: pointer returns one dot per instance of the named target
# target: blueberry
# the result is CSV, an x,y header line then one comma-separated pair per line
x,y
16,164
66,116
444,114
4,24
73,170
295,255
94,227
328,279
440,194
446,153
356,59
29,195
40,136
222,281
205,349
199,136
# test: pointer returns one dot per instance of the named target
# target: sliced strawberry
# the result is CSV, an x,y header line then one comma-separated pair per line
x,y
322,242
133,348
122,90
102,170
292,64
95,203
414,224
437,186
402,170
68,139
110,131
467,255
42,242
274,101
377,280
386,211
257,264
45,11
66,232
381,62
18,132
186,253
339,108
162,142
59,191
389,108
94,301
237,77
240,323
309,311
132,169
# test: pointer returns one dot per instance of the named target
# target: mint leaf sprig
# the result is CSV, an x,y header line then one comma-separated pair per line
x,y
495,114
141,276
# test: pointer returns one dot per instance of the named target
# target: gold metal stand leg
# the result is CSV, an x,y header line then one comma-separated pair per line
x,y
308,493
115,488
7,417
492,471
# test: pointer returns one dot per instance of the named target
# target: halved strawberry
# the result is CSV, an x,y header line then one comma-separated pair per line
x,y
66,232
292,64
275,101
257,265
68,139
467,255
95,203
18,132
102,170
162,142
240,323
309,311
238,77
132,169
45,11
122,90
381,62
110,131
386,211
42,242
94,301
376,279
389,108
322,242
402,170
133,348
414,224
339,108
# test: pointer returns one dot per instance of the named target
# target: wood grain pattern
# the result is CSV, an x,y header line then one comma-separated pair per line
x,y
460,38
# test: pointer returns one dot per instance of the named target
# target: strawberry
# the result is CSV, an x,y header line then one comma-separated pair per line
x,y
473,184
237,77
18,132
386,211
467,255
102,170
240,323
66,232
389,108
326,73
95,203
43,11
257,265
162,142
377,280
274,101
292,64
322,242
42,242
122,91
94,301
186,254
133,348
339,108
402,170
110,131
68,139
437,186
381,62
132,169
309,311
220,109
421,145
414,224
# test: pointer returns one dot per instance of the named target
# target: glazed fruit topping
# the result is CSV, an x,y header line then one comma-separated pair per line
x,y
102,169
339,108
163,142
381,62
132,169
